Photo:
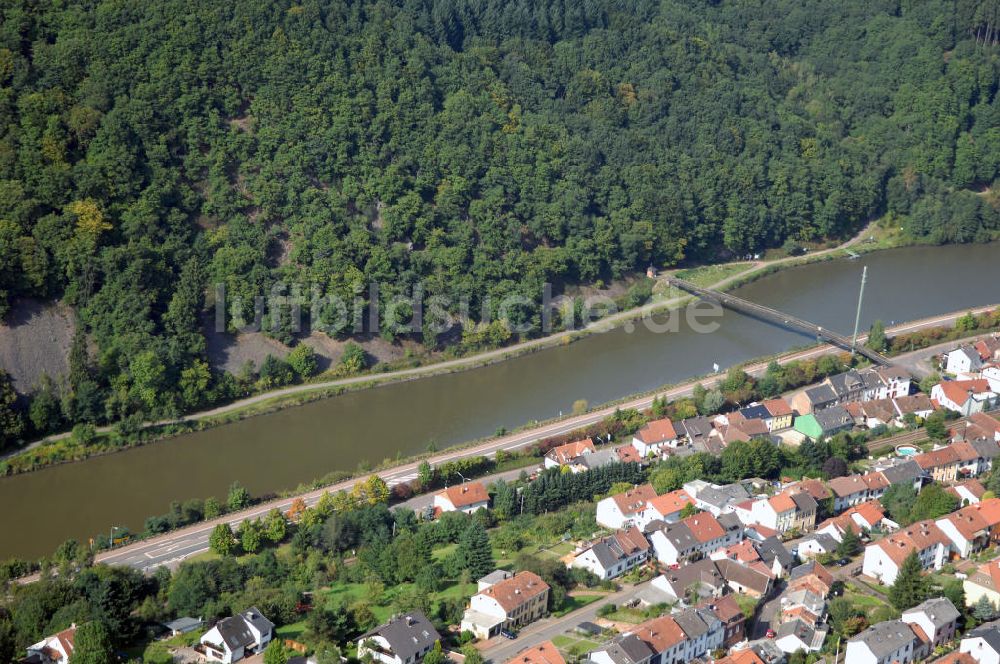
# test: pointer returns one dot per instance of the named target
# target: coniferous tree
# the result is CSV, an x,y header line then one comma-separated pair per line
x,y
910,587
850,545
475,552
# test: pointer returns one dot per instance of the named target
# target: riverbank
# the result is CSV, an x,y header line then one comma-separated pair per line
x,y
63,448
404,471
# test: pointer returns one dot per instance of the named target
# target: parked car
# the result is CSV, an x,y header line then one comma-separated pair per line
x,y
508,634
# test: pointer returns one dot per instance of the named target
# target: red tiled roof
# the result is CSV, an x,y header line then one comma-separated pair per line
x,y
847,486
657,431
660,634
777,407
632,540
627,453
781,502
566,453
515,591
965,451
465,494
634,500
543,653
936,458
916,537
747,656
958,391
704,527
670,503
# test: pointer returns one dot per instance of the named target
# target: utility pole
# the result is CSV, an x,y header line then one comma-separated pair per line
x,y
857,316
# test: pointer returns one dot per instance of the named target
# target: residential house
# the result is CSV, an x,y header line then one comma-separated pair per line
x,y
969,492
55,649
788,510
506,605
988,349
654,436
811,576
848,491
971,462
780,414
802,604
697,429
626,649
817,544
859,518
466,497
937,619
899,471
403,640
884,558
890,642
983,643
692,538
984,582
978,426
833,420
940,464
879,413
733,619
236,637
892,382
744,579
774,555
544,653
623,509
615,555
963,360
703,632
965,396
991,374
598,459
814,399
701,579
919,405
569,454
798,635
714,498
747,656
666,508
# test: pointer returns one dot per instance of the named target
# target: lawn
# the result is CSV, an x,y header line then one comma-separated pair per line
x,y
746,603
573,646
574,602
291,631
708,275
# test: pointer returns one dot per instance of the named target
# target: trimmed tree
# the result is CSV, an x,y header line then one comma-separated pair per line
x,y
910,587
222,540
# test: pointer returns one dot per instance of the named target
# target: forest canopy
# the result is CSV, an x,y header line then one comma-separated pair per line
x,y
149,150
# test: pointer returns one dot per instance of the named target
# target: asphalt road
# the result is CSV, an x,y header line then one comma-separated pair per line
x,y
171,548
500,649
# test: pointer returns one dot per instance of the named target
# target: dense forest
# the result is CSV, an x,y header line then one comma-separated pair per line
x,y
149,150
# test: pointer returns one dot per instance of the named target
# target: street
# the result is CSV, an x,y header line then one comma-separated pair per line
x,y
171,548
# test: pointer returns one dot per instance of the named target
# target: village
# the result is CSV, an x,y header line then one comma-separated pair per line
x,y
754,571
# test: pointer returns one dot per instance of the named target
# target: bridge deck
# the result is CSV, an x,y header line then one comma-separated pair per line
x,y
778,317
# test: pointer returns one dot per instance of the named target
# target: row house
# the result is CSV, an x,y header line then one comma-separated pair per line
x,y
615,555
544,653
622,510
694,537
853,490
666,508
788,510
899,471
975,526
910,639
733,619
853,385
978,427
673,639
969,492
939,464
884,558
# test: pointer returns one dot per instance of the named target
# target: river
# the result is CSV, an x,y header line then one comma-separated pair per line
x,y
283,449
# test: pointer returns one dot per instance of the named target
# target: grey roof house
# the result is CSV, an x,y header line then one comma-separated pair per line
x,y
403,640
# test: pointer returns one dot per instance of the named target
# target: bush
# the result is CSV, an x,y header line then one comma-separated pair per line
x,y
606,610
